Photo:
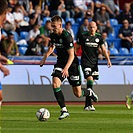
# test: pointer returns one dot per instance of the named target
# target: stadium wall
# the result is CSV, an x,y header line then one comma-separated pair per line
x,y
40,93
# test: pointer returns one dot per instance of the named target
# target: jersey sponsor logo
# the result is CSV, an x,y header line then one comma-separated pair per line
x,y
74,77
90,44
59,45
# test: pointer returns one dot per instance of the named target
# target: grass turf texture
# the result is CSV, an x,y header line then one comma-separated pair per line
x,y
106,119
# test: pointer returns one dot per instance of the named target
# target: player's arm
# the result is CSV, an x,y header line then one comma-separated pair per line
x,y
69,62
70,49
109,64
47,54
3,59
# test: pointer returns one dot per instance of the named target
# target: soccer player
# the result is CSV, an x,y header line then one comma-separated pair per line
x,y
66,67
90,42
3,60
129,100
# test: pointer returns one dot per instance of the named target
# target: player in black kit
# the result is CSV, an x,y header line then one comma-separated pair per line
x,y
67,65
90,41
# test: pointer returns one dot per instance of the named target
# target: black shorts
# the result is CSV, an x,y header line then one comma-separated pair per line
x,y
90,71
74,74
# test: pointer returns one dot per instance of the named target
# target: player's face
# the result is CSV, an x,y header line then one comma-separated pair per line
x,y
56,26
92,28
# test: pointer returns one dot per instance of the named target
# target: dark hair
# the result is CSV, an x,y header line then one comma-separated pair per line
x,y
85,18
39,36
10,34
3,6
56,18
68,22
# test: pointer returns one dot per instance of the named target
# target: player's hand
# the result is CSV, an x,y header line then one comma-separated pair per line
x,y
5,71
65,73
109,64
42,62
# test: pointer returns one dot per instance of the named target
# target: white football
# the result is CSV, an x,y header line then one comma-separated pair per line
x,y
43,114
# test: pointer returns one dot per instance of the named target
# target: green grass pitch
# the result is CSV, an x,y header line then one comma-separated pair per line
x,y
106,119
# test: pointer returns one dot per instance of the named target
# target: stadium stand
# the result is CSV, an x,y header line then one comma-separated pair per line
x,y
16,37
124,52
26,18
23,34
22,50
75,29
45,19
113,21
79,20
113,52
117,43
113,40
71,20
131,51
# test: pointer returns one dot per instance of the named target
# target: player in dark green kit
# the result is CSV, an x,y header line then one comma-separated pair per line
x,y
90,42
67,65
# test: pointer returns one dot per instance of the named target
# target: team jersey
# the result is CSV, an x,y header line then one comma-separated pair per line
x,y
63,43
89,45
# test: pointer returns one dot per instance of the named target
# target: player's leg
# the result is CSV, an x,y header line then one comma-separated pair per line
x,y
57,80
75,81
90,74
129,100
88,101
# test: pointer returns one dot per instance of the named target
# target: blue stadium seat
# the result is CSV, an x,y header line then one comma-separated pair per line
x,y
71,20
79,20
45,19
113,51
63,21
16,36
117,43
75,29
26,18
124,52
116,29
22,50
111,36
113,21
23,34
131,51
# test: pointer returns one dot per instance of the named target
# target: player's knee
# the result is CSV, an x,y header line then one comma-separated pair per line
x,y
55,85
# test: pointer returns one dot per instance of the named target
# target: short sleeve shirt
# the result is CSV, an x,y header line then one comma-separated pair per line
x,y
63,43
90,45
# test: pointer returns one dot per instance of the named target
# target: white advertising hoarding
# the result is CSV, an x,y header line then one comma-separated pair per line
x,y
36,75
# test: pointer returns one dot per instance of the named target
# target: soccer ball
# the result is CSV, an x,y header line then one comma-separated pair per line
x,y
43,114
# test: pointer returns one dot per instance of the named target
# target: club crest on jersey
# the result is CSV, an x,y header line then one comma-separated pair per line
x,y
87,40
60,40
97,40
71,44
